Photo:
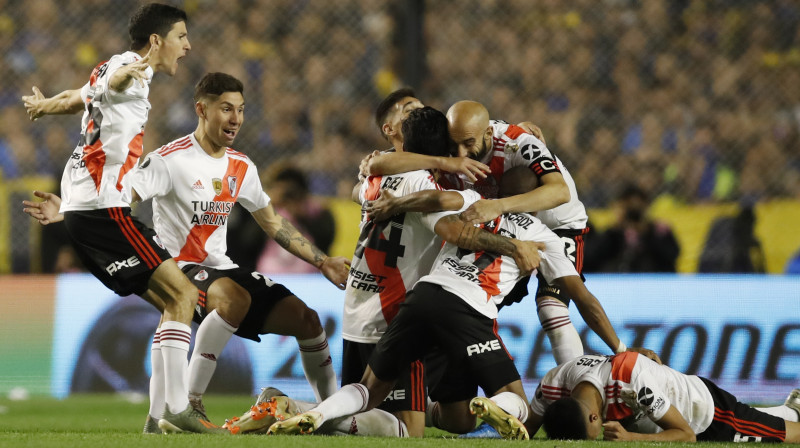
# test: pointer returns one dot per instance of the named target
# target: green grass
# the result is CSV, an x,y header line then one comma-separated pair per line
x,y
113,421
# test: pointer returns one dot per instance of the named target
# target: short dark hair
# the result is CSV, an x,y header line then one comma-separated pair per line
x,y
386,105
425,132
153,18
215,84
564,420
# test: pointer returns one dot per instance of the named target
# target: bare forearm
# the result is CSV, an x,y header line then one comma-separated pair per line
x,y
66,102
596,318
401,162
288,237
467,236
120,81
543,198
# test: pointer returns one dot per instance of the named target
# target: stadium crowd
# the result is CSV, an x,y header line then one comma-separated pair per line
x,y
696,97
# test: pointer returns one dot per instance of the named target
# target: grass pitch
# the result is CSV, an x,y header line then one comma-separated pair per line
x,y
115,421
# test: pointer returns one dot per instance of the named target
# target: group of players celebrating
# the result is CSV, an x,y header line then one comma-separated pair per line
x,y
455,218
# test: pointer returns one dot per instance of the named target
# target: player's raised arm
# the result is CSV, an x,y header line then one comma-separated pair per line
x,y
287,236
403,162
124,76
66,102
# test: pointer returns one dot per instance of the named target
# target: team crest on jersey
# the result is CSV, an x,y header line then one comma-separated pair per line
x,y
158,241
232,185
217,184
512,147
202,275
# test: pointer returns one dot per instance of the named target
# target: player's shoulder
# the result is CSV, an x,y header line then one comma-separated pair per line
x,y
234,154
175,148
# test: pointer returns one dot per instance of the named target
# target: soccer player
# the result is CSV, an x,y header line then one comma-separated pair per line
x,y
454,308
117,248
628,397
389,258
194,182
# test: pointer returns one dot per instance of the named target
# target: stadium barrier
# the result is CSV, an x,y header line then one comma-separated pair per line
x,y
69,334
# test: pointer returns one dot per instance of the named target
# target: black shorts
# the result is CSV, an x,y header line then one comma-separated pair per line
x,y
408,394
116,247
434,319
264,294
738,422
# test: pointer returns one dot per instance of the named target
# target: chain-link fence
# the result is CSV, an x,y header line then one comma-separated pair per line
x,y
697,99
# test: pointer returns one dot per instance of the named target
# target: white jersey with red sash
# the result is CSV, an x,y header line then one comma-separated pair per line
x,y
193,194
635,390
96,174
389,258
482,279
512,147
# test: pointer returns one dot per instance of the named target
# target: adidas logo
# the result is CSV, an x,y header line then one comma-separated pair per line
x,y
198,185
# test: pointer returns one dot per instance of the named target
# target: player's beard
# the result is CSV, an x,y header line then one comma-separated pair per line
x,y
481,154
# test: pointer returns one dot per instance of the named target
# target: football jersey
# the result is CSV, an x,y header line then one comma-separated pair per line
x,y
112,128
482,279
193,194
389,258
636,391
512,147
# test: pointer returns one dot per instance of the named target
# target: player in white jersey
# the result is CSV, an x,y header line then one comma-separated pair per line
x,y
117,248
630,397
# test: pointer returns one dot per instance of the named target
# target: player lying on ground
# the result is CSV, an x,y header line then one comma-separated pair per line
x,y
194,182
628,397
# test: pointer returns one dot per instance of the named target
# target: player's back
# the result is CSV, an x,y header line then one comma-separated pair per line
x,y
389,258
95,176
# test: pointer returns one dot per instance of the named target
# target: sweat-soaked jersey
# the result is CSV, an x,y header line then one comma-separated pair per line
x,y
96,174
193,194
635,390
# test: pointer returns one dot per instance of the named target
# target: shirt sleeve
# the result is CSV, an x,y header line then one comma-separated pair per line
x,y
152,177
534,154
252,195
650,398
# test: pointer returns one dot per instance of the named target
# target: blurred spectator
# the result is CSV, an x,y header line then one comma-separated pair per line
x,y
288,190
635,243
731,245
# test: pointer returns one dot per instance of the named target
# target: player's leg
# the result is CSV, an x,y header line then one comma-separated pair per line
x,y
291,317
226,304
156,391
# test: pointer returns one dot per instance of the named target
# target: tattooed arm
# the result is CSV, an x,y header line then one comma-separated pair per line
x,y
467,236
285,234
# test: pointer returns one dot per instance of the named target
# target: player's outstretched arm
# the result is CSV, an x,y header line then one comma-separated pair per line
x,y
675,429
425,201
335,269
123,77
403,162
552,192
466,236
591,310
45,211
66,102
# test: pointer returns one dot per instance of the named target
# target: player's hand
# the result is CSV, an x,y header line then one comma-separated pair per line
x,y
531,128
136,71
482,211
646,352
33,104
46,211
528,255
472,169
363,167
336,270
614,431
382,208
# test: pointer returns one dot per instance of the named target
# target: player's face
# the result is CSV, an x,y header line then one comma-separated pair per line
x,y
223,118
472,141
173,47
401,110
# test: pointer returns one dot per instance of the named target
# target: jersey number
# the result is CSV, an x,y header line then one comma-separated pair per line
x,y
371,238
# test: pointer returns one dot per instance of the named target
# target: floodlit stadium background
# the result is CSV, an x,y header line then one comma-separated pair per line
x,y
696,102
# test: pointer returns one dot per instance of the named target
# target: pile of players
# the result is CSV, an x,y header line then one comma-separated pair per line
x,y
455,218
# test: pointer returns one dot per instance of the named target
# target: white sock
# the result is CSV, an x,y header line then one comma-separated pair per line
x,y
211,337
349,400
375,422
513,404
156,379
318,366
782,411
564,338
175,337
